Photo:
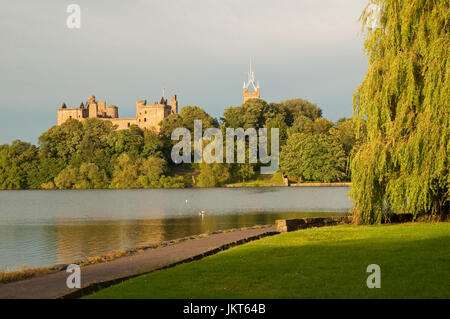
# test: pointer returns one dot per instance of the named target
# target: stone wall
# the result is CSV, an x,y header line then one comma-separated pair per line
x,y
287,225
65,114
122,123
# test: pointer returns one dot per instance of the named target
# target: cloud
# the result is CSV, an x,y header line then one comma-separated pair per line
x,y
198,49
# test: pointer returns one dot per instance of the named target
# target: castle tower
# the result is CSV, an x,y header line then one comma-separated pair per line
x,y
250,89
174,104
92,106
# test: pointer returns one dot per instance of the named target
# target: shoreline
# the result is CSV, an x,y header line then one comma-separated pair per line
x,y
102,275
142,260
346,184
34,272
239,185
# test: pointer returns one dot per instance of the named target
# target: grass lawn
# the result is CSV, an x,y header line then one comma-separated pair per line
x,y
328,262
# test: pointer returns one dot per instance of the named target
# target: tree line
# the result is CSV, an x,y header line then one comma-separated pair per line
x,y
93,154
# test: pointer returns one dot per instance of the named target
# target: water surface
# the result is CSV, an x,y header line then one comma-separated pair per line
x,y
40,228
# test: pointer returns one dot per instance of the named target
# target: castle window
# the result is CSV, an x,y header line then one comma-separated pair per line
x,y
145,119
128,124
145,112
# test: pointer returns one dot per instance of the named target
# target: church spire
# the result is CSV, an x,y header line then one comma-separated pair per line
x,y
251,88
251,79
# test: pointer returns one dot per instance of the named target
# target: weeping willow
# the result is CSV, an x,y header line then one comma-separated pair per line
x,y
405,98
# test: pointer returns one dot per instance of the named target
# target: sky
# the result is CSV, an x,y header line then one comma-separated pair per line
x,y
127,51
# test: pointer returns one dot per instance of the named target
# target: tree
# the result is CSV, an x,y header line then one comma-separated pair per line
x,y
212,175
57,147
191,113
128,141
18,165
296,107
62,141
346,133
126,173
243,171
169,124
404,165
253,113
153,145
93,147
322,126
91,176
150,170
302,124
278,122
67,178
313,157
232,117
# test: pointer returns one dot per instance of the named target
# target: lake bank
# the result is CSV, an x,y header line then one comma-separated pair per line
x,y
290,185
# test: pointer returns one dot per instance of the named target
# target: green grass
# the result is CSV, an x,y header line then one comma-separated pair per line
x,y
328,262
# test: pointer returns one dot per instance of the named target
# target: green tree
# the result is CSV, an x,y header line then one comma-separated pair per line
x,y
67,178
130,141
244,171
191,113
322,126
169,124
212,175
91,176
346,133
150,170
232,117
313,157
57,147
170,182
153,145
126,173
301,124
404,165
94,147
296,107
253,113
278,122
18,165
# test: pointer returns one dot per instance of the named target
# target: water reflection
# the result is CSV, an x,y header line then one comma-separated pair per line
x,y
44,228
69,240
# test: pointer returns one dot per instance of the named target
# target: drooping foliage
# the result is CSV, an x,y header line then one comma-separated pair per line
x,y
405,97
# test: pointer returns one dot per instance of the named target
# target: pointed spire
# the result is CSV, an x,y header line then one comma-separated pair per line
x,y
251,78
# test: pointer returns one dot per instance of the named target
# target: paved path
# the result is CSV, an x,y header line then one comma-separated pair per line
x,y
99,275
